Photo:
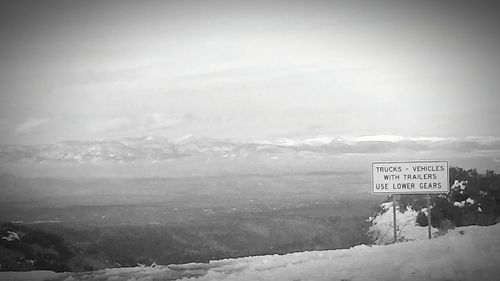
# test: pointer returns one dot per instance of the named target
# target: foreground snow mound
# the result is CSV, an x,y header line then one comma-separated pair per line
x,y
382,228
466,253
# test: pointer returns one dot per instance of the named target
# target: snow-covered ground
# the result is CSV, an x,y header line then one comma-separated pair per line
x,y
382,229
465,253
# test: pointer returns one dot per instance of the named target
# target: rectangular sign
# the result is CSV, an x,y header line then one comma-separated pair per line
x,y
414,177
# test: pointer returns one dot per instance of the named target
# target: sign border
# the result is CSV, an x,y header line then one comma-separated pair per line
x,y
411,193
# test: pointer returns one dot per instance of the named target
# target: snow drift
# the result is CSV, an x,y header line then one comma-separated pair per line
x,y
465,253
381,230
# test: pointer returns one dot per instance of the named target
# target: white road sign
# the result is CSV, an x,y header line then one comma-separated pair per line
x,y
414,177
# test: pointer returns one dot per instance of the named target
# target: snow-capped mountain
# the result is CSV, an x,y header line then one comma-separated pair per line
x,y
152,148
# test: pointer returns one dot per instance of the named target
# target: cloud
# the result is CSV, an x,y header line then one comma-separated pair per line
x,y
116,124
161,121
151,124
380,138
31,125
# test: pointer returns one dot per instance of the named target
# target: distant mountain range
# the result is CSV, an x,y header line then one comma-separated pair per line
x,y
155,149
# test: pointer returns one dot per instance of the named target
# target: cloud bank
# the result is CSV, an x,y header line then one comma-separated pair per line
x,y
31,125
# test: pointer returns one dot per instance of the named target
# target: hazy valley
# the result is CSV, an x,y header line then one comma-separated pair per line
x,y
124,221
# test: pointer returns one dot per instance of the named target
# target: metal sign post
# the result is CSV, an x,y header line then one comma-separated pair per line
x,y
428,197
394,217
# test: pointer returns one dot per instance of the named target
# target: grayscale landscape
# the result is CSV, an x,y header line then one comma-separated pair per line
x,y
168,140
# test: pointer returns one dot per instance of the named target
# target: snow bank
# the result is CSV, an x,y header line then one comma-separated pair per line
x,y
382,229
465,253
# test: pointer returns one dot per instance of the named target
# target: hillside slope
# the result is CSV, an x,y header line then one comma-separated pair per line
x,y
466,253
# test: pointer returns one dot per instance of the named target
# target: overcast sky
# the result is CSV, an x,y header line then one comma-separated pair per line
x,y
76,70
